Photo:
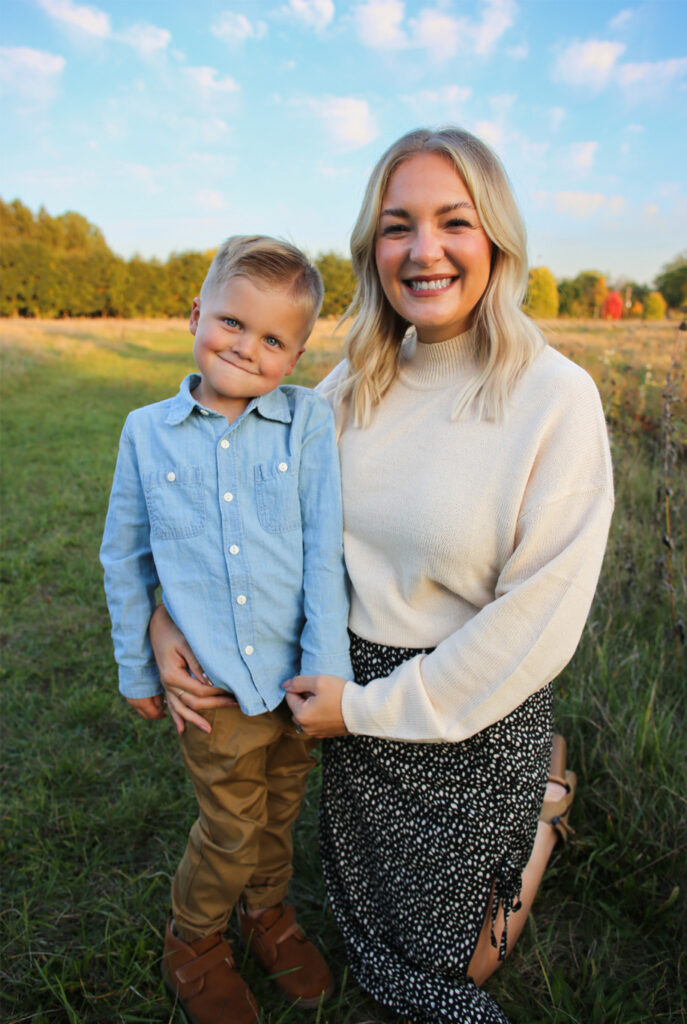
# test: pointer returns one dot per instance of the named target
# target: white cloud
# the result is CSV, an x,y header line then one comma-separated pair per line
x,y
582,204
437,32
490,132
621,18
520,52
208,80
314,13
634,129
534,152
236,28
146,39
88,19
654,75
29,74
557,116
210,199
378,23
496,19
349,122
503,103
582,154
589,64
650,210
452,96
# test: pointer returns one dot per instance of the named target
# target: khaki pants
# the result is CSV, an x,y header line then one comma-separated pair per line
x,y
249,776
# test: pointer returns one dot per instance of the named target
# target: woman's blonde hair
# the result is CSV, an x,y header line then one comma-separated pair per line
x,y
505,339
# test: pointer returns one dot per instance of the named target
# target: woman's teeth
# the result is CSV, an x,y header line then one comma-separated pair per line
x,y
430,286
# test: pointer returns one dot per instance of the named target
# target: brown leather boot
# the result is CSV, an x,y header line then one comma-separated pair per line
x,y
299,968
202,976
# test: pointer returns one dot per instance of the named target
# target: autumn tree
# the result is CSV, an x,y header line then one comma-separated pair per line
x,y
655,306
339,283
542,294
613,306
672,281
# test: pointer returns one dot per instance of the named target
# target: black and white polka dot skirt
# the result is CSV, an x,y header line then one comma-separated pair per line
x,y
414,836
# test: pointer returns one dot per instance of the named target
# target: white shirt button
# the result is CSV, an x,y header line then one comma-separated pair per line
x,y
224,443
249,649
234,549
228,496
241,599
204,412
171,477
282,467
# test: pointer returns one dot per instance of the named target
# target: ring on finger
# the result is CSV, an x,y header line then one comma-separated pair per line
x,y
179,693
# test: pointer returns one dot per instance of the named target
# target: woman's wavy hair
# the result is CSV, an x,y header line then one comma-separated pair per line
x,y
505,339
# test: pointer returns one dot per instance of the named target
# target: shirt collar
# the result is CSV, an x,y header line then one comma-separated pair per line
x,y
273,406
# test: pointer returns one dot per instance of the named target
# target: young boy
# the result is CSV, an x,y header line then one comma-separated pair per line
x,y
228,496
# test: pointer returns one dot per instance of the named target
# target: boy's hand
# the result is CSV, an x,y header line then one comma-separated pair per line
x,y
187,688
315,703
149,707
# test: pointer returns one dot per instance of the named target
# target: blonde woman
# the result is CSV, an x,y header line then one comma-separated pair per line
x,y
477,493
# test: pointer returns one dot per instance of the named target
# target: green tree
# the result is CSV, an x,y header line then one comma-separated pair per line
x,y
185,273
655,306
339,283
672,281
542,294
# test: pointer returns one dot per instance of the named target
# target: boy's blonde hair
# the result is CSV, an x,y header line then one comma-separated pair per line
x,y
274,263
505,339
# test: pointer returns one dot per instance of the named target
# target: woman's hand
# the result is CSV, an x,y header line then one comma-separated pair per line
x,y
187,688
315,703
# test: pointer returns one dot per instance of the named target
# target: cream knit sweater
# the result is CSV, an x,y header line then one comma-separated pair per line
x,y
482,539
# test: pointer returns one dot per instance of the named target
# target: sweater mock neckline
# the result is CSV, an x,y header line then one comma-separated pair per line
x,y
437,365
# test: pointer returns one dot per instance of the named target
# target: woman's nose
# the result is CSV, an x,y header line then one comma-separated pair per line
x,y
426,247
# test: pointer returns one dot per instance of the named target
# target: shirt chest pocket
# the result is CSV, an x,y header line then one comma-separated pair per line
x,y
176,502
276,497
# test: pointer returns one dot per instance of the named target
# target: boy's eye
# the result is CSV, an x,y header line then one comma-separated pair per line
x,y
230,321
273,342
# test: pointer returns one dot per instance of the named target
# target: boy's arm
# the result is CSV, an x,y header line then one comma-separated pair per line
x,y
130,576
324,639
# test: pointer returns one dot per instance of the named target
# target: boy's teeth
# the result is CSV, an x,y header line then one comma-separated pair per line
x,y
430,286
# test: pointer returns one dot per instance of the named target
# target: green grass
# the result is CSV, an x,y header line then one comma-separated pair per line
x,y
96,805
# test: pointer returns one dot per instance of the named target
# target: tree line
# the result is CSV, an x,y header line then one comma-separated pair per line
x,y
62,266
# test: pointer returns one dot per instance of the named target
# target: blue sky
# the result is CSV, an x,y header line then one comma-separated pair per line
x,y
172,124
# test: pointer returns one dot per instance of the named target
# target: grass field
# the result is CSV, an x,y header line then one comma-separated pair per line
x,y
96,806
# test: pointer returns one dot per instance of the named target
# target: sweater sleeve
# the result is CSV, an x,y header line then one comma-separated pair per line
x,y
524,637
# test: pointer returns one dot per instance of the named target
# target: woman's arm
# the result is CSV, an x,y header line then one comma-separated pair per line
x,y
187,688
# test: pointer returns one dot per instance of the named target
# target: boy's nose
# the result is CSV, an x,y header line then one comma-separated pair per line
x,y
244,346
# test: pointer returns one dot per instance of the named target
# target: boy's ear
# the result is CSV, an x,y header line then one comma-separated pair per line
x,y
195,314
294,361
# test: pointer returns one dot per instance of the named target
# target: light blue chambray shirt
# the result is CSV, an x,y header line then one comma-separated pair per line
x,y
241,524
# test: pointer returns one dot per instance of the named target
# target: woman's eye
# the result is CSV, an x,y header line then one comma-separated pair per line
x,y
458,222
394,229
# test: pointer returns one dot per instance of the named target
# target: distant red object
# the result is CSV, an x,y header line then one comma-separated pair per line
x,y
612,308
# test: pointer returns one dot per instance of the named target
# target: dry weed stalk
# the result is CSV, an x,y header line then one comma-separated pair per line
x,y
670,457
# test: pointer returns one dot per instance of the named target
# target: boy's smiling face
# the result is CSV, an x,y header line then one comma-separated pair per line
x,y
247,338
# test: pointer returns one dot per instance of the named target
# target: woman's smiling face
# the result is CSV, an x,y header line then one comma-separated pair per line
x,y
433,255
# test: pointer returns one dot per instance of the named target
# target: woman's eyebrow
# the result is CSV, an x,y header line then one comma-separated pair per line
x,y
463,204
